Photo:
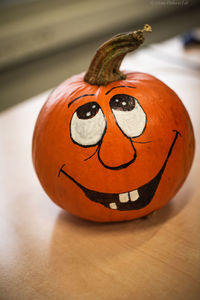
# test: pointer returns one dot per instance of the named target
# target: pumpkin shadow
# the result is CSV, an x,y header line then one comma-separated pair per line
x,y
74,234
81,249
85,254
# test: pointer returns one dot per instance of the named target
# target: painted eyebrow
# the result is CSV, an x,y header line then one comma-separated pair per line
x,y
70,103
115,87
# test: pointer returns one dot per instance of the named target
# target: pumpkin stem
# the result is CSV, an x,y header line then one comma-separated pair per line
x,y
106,62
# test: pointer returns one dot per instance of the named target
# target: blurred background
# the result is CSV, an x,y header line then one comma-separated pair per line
x,y
44,42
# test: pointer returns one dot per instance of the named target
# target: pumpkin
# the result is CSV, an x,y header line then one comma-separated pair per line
x,y
110,145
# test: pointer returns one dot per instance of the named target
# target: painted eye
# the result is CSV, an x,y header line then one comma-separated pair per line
x,y
129,115
88,124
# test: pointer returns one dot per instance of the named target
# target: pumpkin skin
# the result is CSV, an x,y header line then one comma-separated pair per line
x,y
86,179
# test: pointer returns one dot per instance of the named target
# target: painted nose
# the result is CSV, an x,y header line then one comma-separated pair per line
x,y
116,151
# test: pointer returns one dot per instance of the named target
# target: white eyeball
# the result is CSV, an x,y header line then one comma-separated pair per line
x,y
129,115
88,124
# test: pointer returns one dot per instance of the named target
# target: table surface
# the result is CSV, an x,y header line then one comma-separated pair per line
x,y
45,253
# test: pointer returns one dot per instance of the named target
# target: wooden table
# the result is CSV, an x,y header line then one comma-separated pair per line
x,y
45,253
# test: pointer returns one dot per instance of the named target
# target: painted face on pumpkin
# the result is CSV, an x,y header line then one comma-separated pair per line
x,y
89,127
111,145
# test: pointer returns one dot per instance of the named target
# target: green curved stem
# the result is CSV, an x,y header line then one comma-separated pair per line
x,y
106,62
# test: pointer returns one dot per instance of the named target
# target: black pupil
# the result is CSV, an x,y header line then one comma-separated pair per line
x,y
122,102
88,110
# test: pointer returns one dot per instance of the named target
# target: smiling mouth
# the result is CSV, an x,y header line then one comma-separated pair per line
x,y
131,200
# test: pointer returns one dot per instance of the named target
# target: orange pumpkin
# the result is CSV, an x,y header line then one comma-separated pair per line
x,y
111,146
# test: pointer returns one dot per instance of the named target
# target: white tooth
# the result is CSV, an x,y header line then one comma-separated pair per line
x,y
134,195
123,197
113,205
